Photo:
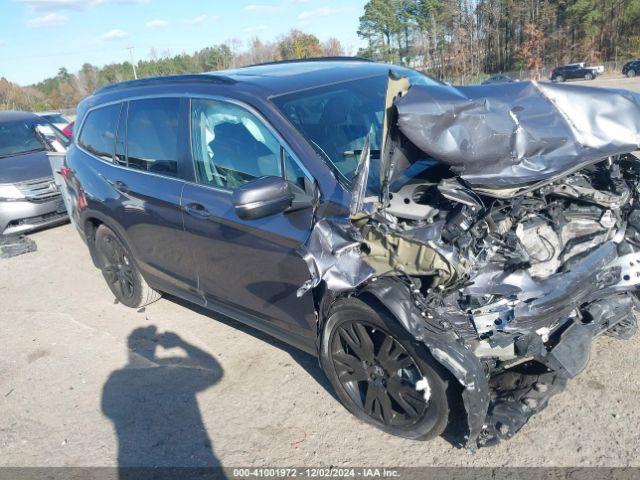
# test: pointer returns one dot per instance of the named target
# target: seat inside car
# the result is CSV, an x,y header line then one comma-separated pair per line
x,y
235,148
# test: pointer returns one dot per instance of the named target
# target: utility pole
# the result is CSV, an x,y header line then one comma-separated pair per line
x,y
135,74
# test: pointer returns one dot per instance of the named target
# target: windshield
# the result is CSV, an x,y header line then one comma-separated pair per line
x,y
18,137
55,118
336,119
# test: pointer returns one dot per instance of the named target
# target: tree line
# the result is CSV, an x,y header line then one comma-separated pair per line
x,y
453,38
450,39
67,89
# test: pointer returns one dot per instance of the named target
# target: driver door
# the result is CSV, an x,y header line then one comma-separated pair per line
x,y
250,266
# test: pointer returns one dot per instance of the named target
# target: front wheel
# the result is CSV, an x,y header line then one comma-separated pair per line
x,y
120,272
588,76
631,73
383,375
560,79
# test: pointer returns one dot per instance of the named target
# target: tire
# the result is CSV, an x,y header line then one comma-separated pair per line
x,y
588,76
631,73
560,79
380,389
120,271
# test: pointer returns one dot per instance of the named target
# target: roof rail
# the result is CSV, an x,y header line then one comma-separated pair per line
x,y
313,59
186,78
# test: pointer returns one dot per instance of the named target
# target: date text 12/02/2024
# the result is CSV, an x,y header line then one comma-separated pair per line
x,y
328,472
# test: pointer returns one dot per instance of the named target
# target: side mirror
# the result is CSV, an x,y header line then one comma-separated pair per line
x,y
262,197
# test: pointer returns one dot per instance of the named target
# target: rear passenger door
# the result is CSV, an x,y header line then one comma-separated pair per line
x,y
152,146
249,265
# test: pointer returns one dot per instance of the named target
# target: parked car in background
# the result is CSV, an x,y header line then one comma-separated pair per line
x,y
68,130
29,198
631,68
499,78
572,71
56,118
599,69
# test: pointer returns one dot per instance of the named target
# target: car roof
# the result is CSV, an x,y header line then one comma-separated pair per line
x,y
52,112
276,78
285,77
13,116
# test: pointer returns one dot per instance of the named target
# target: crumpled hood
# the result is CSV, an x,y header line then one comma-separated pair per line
x,y
28,166
512,134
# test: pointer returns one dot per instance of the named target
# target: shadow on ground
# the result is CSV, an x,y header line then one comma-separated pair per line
x,y
152,404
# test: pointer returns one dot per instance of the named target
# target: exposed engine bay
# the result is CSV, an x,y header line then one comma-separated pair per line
x,y
507,285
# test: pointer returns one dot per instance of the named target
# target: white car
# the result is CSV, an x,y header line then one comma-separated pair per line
x,y
58,120
599,69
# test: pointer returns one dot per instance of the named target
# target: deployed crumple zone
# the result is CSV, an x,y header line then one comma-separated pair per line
x,y
521,245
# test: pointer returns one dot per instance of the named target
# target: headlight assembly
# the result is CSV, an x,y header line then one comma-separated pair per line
x,y
10,192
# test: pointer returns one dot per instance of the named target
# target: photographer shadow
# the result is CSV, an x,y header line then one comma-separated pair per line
x,y
152,404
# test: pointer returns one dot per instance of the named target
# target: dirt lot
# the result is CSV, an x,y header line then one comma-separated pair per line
x,y
78,379
613,81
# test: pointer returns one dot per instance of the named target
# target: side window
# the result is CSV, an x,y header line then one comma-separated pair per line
x,y
230,145
99,131
152,135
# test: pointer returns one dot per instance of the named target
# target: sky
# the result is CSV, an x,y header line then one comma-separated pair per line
x,y
38,37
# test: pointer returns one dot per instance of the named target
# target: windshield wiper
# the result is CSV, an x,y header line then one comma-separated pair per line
x,y
23,152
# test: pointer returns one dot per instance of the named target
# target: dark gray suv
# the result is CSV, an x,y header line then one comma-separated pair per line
x,y
436,247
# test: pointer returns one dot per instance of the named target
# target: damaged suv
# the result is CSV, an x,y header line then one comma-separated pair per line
x,y
434,246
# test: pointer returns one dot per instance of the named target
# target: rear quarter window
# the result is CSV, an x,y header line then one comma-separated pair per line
x,y
153,135
99,131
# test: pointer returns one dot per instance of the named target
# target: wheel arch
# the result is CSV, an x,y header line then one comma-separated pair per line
x,y
90,224
89,228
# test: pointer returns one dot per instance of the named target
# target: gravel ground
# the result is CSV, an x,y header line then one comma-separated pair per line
x,y
79,380
613,81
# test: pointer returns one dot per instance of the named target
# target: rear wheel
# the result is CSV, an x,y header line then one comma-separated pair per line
x,y
383,375
120,272
588,76
631,73
560,78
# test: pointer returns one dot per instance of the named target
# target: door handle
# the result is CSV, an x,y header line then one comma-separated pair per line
x,y
197,210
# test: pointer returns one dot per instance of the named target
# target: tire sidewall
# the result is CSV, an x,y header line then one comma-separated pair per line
x,y
134,301
631,73
435,419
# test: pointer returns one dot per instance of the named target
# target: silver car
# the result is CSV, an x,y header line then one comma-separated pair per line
x,y
29,198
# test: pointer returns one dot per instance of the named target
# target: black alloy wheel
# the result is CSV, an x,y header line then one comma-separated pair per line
x,y
120,271
117,268
382,374
378,374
